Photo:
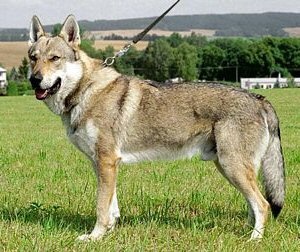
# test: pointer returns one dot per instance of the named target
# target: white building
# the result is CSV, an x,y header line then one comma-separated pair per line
x,y
265,83
3,81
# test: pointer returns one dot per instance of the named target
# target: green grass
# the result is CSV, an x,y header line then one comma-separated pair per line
x,y
47,192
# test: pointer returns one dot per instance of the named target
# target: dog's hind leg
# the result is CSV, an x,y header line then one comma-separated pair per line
x,y
107,205
244,179
251,217
235,161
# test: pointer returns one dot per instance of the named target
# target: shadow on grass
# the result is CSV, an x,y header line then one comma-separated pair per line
x,y
228,222
52,217
57,218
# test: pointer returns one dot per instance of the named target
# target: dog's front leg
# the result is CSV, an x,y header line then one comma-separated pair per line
x,y
107,205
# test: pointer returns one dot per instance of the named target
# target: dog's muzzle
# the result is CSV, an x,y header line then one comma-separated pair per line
x,y
35,80
42,94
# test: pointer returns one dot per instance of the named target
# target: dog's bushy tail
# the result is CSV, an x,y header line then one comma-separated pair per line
x,y
273,164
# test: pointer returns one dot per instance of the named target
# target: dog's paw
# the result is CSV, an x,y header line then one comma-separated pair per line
x,y
83,238
88,237
97,234
256,236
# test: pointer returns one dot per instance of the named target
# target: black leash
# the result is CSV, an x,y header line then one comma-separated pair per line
x,y
110,60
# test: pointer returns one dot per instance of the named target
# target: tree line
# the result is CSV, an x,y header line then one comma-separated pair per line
x,y
244,25
197,58
193,58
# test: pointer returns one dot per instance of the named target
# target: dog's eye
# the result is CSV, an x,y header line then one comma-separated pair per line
x,y
33,58
54,58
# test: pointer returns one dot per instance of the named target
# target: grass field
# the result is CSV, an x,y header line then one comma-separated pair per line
x,y
12,53
47,192
132,32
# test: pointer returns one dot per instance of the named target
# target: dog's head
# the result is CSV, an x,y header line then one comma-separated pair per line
x,y
54,61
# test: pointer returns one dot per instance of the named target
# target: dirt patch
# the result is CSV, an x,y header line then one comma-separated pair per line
x,y
132,33
12,53
293,32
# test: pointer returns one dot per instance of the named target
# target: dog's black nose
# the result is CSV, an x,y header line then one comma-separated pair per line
x,y
36,80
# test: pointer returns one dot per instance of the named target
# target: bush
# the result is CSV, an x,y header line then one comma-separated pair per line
x,y
16,88
291,82
29,92
12,89
23,87
257,86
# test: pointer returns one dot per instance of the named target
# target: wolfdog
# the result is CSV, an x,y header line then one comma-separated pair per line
x,y
113,118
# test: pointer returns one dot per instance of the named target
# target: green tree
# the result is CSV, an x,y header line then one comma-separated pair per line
x,y
196,40
263,62
129,63
157,60
213,58
185,62
290,49
237,55
87,46
274,46
13,74
109,51
56,29
23,69
175,39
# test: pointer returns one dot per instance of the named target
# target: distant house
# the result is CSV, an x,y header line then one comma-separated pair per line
x,y
266,83
174,80
3,81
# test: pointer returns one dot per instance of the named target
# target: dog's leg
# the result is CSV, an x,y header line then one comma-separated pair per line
x,y
107,205
259,206
114,212
244,179
237,142
251,217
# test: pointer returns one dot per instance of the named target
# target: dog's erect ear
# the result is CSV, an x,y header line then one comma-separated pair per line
x,y
71,32
35,30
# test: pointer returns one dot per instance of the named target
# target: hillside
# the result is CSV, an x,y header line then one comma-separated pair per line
x,y
224,22
247,25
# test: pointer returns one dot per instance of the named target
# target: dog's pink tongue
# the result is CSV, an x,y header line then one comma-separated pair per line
x,y
41,94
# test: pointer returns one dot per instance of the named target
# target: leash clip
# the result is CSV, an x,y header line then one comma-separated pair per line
x,y
124,50
109,61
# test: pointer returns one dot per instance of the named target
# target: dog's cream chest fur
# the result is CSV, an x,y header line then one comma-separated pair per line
x,y
84,138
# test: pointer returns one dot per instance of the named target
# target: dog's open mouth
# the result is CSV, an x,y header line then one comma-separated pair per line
x,y
42,94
